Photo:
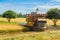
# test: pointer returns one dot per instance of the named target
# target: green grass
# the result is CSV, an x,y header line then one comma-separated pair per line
x,y
4,22
32,36
10,31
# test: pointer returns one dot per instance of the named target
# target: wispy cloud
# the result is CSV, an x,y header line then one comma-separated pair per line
x,y
57,0
28,5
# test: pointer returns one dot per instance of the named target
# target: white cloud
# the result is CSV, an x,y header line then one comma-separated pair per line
x,y
23,8
48,7
56,0
8,6
44,8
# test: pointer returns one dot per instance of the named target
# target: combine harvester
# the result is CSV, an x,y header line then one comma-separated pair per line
x,y
36,21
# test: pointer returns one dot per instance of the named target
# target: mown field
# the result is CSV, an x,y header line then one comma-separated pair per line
x,y
49,35
49,22
4,25
14,25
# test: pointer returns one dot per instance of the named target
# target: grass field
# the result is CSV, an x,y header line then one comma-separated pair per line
x,y
53,35
13,26
49,22
4,25
14,20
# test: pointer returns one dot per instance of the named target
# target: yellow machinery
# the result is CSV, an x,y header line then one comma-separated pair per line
x,y
30,21
36,21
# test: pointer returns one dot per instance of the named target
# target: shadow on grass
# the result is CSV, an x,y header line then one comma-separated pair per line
x,y
30,28
50,27
26,28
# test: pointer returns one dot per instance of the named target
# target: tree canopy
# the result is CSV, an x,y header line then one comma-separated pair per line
x,y
54,14
9,14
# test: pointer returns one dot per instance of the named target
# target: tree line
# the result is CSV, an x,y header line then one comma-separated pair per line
x,y
19,15
9,14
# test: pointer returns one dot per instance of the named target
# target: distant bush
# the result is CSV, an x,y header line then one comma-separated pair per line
x,y
20,15
0,15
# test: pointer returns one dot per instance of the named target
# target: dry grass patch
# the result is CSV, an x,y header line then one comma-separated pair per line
x,y
13,26
50,22
53,35
9,27
14,20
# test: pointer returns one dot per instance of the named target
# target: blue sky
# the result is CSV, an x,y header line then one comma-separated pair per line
x,y
27,6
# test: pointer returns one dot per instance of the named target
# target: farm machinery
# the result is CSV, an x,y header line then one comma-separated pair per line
x,y
36,21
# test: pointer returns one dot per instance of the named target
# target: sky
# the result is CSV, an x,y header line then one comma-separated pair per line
x,y
28,6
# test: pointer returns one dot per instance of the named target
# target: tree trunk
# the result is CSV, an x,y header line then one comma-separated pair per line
x,y
9,20
54,22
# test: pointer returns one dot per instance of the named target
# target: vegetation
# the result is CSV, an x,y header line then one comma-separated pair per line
x,y
4,22
14,24
54,35
13,31
9,15
0,15
20,15
54,14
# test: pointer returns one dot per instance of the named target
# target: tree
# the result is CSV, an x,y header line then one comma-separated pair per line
x,y
54,14
0,15
9,14
19,15
24,15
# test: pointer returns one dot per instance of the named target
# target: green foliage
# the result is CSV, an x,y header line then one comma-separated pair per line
x,y
3,22
10,31
0,15
54,14
9,14
25,15
20,15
